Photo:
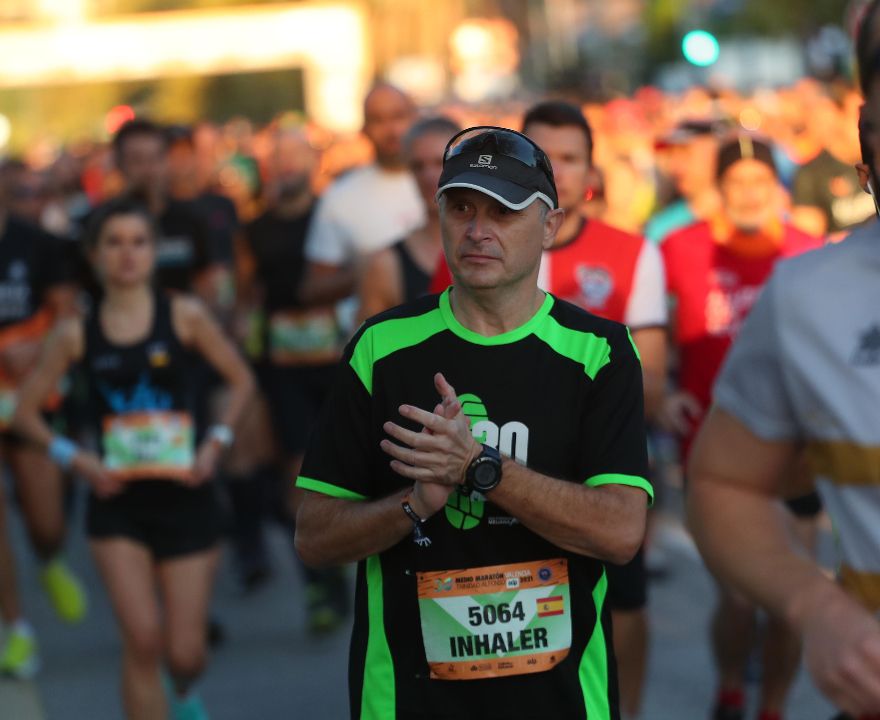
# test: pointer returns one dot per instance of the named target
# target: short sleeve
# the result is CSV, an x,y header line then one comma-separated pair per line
x,y
647,301
751,385
615,449
328,241
337,459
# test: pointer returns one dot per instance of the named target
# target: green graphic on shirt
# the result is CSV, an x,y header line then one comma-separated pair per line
x,y
464,512
474,410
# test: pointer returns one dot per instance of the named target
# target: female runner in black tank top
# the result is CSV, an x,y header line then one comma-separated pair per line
x,y
403,272
152,518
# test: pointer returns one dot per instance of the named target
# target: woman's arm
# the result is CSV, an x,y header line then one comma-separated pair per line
x,y
197,329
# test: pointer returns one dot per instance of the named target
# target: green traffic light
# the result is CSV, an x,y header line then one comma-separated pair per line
x,y
700,48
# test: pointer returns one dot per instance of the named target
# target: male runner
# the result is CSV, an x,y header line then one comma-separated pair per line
x,y
804,375
715,271
481,585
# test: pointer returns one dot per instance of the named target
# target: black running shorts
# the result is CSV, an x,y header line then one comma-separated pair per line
x,y
166,517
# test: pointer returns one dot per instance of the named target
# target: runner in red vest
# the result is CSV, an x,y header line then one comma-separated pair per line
x,y
618,276
715,272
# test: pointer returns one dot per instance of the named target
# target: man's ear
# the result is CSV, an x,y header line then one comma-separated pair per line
x,y
552,222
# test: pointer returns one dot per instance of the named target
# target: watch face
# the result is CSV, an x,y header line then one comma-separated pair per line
x,y
485,474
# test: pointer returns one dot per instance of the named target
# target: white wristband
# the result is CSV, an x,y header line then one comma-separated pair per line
x,y
222,435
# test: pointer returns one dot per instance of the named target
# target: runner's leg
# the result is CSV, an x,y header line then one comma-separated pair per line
x,y
40,488
41,492
128,570
733,635
186,583
10,605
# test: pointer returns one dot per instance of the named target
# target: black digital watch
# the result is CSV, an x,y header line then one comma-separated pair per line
x,y
484,472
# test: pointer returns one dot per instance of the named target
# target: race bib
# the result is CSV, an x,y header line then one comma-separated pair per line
x,y
307,337
495,621
149,445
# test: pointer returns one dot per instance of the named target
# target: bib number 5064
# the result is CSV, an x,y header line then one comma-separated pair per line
x,y
491,614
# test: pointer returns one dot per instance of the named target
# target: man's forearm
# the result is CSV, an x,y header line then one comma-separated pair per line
x,y
607,523
742,537
331,531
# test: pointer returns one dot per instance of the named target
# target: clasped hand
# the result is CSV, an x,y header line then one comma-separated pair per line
x,y
440,453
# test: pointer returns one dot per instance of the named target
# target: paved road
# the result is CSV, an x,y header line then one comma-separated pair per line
x,y
269,668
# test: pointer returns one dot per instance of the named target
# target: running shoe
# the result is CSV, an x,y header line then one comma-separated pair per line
x,y
189,708
65,591
20,658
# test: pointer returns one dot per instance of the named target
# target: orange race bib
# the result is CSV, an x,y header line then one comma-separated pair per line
x,y
149,445
495,621
304,337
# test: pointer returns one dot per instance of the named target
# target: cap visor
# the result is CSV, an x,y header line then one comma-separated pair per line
x,y
504,191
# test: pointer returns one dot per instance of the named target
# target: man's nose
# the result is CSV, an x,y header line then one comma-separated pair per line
x,y
479,226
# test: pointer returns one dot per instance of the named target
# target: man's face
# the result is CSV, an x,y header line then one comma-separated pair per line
x,y
181,164
292,164
568,151
750,194
387,116
143,162
425,162
28,193
490,246
692,165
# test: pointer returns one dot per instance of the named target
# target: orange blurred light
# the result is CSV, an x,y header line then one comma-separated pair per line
x,y
117,117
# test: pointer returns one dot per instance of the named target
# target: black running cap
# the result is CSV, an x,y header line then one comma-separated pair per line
x,y
745,147
501,163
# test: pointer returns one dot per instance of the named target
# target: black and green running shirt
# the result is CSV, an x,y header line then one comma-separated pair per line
x,y
490,620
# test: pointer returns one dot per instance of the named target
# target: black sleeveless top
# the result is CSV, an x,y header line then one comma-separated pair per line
x,y
415,280
141,398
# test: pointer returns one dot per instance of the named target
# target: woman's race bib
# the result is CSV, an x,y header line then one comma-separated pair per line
x,y
495,621
149,445
307,337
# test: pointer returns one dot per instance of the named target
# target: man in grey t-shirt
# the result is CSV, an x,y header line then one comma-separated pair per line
x,y
804,375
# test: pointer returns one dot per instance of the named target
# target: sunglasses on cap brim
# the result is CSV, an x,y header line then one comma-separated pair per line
x,y
503,141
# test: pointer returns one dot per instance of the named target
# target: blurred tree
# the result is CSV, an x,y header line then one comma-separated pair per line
x,y
779,17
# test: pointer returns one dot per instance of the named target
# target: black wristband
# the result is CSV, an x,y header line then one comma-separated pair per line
x,y
419,537
411,514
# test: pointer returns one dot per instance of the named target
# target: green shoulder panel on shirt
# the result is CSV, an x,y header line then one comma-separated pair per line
x,y
618,479
324,488
390,336
634,346
584,348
